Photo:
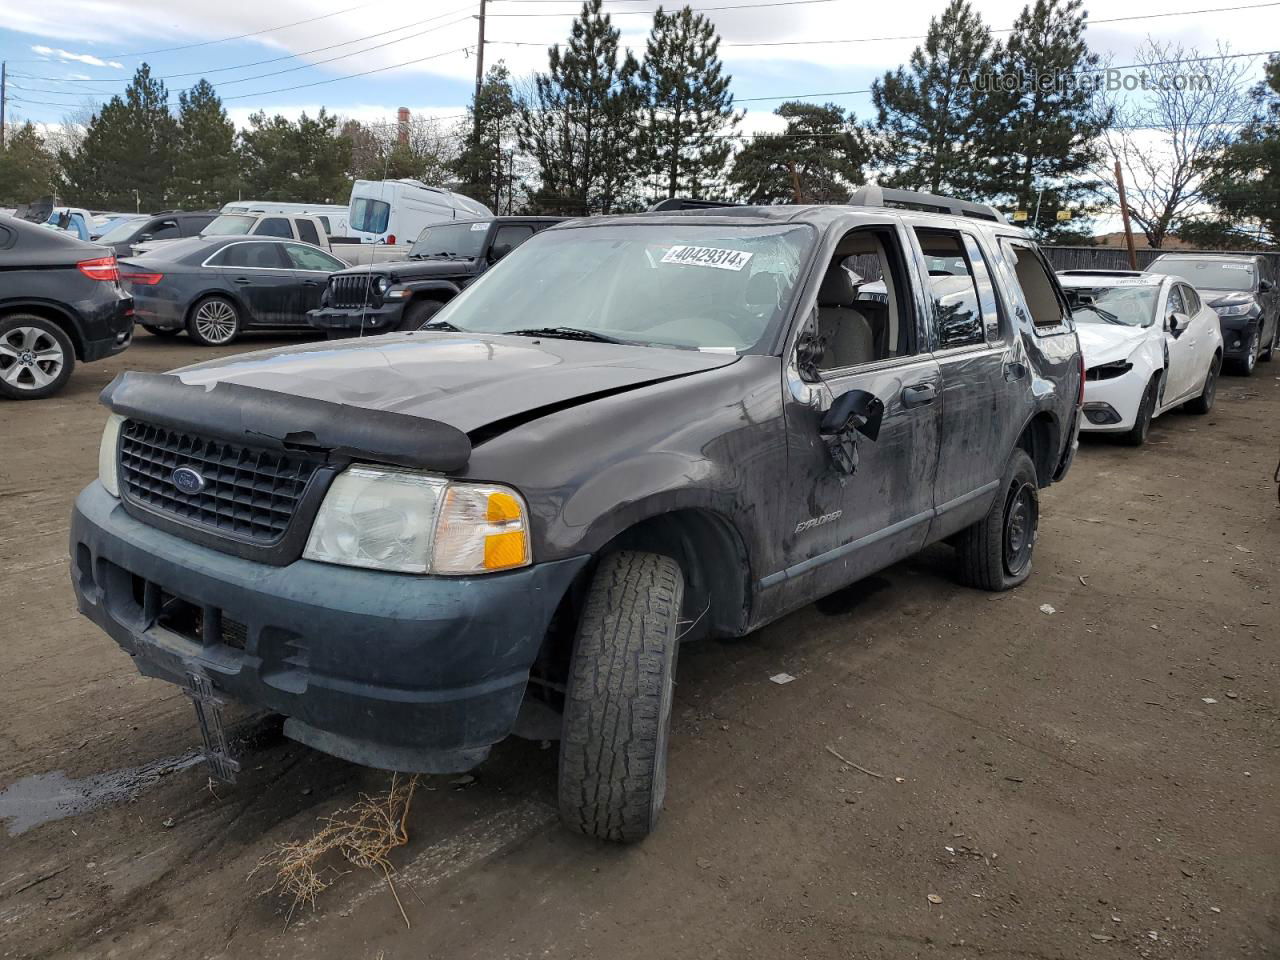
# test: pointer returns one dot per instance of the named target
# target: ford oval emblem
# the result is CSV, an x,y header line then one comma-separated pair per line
x,y
187,480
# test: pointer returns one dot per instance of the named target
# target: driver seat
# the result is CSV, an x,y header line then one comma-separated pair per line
x,y
846,331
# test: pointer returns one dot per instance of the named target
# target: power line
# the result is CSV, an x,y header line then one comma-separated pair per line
x,y
239,36
645,13
350,76
259,63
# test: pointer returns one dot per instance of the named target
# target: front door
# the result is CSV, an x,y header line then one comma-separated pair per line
x,y
865,331
311,270
1180,350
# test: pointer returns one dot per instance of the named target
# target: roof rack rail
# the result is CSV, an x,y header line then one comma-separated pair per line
x,y
1101,272
688,203
874,196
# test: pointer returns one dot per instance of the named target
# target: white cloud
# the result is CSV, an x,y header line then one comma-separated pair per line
x,y
67,56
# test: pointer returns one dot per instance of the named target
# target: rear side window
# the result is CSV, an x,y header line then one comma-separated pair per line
x,y
191,226
1039,291
511,235
324,222
164,230
274,227
307,232
953,289
251,255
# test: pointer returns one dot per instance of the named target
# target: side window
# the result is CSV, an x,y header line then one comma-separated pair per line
x,y
260,256
309,258
986,289
191,226
953,288
864,302
164,230
274,227
307,232
1039,290
1190,300
324,222
510,236
1175,304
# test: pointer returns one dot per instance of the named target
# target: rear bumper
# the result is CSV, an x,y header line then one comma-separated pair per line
x,y
393,671
353,320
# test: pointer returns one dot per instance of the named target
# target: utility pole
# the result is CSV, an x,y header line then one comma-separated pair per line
x,y
1124,215
4,70
480,52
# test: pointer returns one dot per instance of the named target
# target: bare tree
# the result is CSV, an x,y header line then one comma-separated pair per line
x,y
68,135
1173,111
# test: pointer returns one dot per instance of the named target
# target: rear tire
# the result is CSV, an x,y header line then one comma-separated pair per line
x,y
36,357
995,553
1204,403
214,322
419,312
617,716
1136,435
159,331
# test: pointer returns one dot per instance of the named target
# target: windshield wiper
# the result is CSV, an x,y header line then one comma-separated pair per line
x,y
1106,315
440,325
568,333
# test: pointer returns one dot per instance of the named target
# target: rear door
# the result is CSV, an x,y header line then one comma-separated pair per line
x,y
262,277
312,267
843,526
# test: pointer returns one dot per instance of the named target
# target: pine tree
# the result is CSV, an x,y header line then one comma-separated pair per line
x,y
687,103
27,167
1047,124
932,121
126,160
817,159
205,173
581,123
484,168
304,162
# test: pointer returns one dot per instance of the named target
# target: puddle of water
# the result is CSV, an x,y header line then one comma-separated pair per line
x,y
45,797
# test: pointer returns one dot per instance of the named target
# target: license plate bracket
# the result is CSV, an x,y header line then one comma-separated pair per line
x,y
222,764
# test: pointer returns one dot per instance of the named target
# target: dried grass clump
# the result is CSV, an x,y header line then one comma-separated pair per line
x,y
364,834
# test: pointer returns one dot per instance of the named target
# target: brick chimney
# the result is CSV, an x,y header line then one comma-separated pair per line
x,y
402,115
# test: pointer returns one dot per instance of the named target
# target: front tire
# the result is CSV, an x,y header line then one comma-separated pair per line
x,y
419,312
1204,403
36,357
1244,368
1271,347
995,553
617,715
1136,435
214,322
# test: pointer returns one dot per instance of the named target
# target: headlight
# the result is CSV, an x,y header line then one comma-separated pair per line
x,y
1108,371
409,522
380,285
107,467
1234,309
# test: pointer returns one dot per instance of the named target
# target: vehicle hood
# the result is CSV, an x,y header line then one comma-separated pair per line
x,y
402,270
1106,342
1223,298
462,379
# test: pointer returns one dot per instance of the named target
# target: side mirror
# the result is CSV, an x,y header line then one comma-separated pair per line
x,y
1265,286
498,251
1178,322
853,410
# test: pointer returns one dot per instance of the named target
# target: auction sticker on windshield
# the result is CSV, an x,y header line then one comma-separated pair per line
x,y
708,257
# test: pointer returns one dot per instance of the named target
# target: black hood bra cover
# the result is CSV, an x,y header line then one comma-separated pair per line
x,y
263,417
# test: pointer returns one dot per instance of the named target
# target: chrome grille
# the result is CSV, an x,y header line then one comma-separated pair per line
x,y
354,290
249,493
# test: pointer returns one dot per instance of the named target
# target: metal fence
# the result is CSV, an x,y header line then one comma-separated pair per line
x,y
1117,258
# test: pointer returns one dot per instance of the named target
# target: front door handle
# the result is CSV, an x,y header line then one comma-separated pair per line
x,y
1014,371
919,394
243,280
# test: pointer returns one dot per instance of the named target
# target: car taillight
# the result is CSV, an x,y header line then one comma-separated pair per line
x,y
103,268
143,279
391,238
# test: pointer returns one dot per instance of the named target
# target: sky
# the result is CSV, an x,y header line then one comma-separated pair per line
x,y
65,54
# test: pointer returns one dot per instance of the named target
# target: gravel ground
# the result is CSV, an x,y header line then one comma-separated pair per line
x,y
1099,781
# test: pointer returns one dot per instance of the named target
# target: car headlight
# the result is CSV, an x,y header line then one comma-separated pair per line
x,y
1108,371
380,285
409,522
1234,309
107,466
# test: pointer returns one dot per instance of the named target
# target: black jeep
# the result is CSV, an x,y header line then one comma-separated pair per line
x,y
634,431
405,294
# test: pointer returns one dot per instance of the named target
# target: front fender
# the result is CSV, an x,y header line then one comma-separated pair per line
x,y
432,286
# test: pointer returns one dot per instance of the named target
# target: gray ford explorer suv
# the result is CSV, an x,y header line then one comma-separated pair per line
x,y
632,431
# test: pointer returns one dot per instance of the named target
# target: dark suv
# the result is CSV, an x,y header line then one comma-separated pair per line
x,y
404,295
1241,288
634,431
60,301
171,225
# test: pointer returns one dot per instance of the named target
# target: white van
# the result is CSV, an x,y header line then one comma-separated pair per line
x,y
396,211
331,216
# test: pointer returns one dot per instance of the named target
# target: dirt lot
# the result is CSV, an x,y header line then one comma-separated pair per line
x,y
1100,781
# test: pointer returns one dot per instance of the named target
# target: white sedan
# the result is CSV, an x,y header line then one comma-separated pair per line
x,y
1150,344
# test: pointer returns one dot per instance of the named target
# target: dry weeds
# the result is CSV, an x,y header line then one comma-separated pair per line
x,y
364,834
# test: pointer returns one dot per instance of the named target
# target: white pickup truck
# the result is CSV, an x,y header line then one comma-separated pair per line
x,y
293,226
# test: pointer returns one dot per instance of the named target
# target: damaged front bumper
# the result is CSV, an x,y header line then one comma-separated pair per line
x,y
368,319
394,671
